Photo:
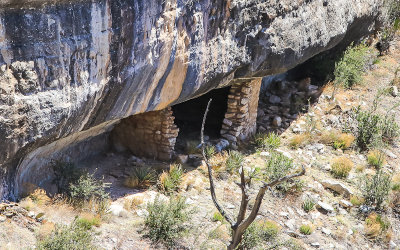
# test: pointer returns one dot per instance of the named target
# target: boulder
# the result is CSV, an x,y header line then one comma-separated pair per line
x,y
345,203
337,187
325,207
277,121
273,99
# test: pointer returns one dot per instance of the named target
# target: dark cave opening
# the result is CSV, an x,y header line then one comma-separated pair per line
x,y
189,115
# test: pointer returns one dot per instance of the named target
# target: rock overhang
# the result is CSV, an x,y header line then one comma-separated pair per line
x,y
68,66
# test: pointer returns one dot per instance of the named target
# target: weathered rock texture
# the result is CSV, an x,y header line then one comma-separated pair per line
x,y
151,134
241,117
67,66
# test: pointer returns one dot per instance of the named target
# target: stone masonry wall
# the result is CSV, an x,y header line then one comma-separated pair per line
x,y
241,117
152,134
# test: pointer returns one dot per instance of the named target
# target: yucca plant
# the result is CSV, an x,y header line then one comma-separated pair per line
x,y
141,177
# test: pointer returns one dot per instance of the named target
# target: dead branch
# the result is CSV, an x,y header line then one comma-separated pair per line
x,y
241,224
212,187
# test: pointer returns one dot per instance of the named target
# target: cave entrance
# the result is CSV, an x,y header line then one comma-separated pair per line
x,y
189,115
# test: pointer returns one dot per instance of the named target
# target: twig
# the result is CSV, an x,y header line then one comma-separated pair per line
x,y
212,187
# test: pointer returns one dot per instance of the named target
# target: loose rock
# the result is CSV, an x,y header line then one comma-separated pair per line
x,y
337,187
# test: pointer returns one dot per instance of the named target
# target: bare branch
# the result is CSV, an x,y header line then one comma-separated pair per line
x,y
260,197
245,199
212,187
276,182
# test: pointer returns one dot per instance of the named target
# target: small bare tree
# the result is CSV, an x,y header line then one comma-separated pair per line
x,y
242,223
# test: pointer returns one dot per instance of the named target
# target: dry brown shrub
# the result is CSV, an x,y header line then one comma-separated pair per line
x,y
134,203
299,140
341,167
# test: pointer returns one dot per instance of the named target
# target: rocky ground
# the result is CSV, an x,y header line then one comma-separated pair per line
x,y
337,222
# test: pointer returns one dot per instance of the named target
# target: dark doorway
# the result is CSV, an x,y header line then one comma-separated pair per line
x,y
189,116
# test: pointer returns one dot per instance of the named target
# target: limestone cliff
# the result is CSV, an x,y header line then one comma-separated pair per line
x,y
70,69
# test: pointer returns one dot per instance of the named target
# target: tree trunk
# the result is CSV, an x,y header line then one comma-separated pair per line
x,y
236,239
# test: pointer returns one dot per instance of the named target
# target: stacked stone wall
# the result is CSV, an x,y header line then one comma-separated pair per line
x,y
240,121
152,134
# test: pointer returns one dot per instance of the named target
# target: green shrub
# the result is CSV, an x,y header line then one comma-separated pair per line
x,y
376,158
277,166
76,236
87,188
217,216
87,223
210,151
306,229
167,221
65,173
308,205
234,161
390,129
376,188
141,177
259,231
368,130
349,69
268,141
341,167
170,181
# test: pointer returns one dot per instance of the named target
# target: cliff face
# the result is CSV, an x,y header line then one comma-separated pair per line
x,y
70,69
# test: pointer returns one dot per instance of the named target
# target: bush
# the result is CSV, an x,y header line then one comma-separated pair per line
x,y
344,141
141,177
308,205
234,161
396,182
134,203
268,141
88,221
170,181
376,225
349,69
65,173
76,236
368,130
390,129
337,139
167,221
87,188
306,229
341,167
277,166
258,232
210,151
376,158
356,201
376,189
298,140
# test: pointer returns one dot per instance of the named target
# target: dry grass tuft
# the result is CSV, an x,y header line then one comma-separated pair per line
x,y
396,182
134,203
40,197
376,158
376,225
337,139
341,167
299,140
356,201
